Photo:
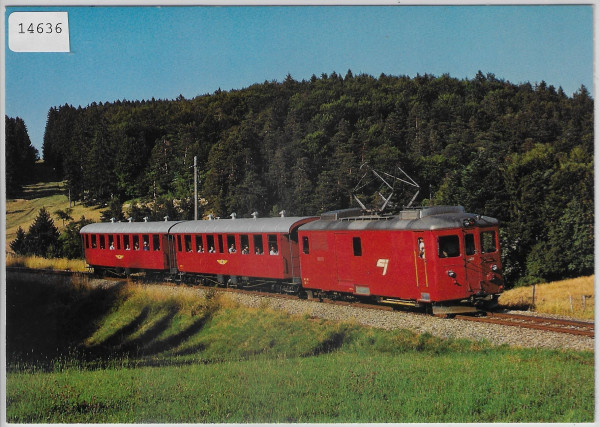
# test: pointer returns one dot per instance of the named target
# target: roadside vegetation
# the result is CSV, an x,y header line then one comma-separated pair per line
x,y
130,353
571,297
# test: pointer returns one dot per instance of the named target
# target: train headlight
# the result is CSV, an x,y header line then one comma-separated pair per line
x,y
452,274
468,222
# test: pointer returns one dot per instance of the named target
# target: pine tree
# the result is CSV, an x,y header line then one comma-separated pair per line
x,y
42,237
19,245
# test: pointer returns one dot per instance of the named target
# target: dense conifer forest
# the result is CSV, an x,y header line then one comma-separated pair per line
x,y
522,153
20,155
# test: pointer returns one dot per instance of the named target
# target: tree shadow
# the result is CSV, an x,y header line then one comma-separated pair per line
x,y
47,320
328,345
40,190
116,339
177,339
137,346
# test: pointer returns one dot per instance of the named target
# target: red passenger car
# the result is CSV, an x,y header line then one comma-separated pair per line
x,y
235,250
127,247
437,256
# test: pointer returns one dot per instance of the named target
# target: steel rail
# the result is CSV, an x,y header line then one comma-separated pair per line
x,y
535,322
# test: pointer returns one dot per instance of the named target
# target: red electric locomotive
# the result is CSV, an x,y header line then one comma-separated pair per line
x,y
238,250
441,257
126,247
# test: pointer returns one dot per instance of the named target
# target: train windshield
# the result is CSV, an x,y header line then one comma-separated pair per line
x,y
488,241
448,246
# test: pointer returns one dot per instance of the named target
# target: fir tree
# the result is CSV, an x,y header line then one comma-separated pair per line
x,y
19,245
42,237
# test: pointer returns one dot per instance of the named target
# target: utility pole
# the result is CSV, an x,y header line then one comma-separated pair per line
x,y
195,188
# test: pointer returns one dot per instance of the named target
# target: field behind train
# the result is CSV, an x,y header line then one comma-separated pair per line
x,y
131,353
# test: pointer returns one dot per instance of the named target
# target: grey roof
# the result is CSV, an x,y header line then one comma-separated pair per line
x,y
436,218
241,225
157,227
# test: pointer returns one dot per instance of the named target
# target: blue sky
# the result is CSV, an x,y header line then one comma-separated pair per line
x,y
161,52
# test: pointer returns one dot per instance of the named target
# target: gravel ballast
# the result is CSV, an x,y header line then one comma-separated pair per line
x,y
444,328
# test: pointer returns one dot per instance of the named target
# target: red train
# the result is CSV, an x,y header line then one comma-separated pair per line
x,y
438,257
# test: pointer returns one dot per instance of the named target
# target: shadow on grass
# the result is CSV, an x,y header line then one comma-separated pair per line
x,y
46,321
330,344
179,338
116,339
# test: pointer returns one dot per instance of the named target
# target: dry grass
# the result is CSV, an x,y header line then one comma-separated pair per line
x,y
37,262
572,297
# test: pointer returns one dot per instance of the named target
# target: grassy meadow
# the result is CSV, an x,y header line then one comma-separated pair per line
x,y
22,211
133,354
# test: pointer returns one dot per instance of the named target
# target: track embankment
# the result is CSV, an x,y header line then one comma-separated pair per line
x,y
496,334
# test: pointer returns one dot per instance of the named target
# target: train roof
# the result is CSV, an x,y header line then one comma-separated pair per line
x,y
156,227
283,225
433,218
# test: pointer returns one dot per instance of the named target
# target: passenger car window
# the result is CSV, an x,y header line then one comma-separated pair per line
x,y
448,246
258,244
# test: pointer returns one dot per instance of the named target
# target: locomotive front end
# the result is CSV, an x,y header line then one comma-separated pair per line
x,y
468,262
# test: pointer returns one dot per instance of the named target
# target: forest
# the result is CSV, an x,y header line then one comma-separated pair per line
x,y
522,153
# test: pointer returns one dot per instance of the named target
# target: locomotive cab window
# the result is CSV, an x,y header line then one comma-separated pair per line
x,y
356,246
488,242
448,246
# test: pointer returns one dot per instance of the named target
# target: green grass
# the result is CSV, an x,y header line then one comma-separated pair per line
x,y
139,354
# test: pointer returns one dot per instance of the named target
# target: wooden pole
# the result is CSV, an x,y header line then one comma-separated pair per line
x,y
195,188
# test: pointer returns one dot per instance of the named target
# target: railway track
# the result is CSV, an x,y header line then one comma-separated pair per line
x,y
572,327
562,326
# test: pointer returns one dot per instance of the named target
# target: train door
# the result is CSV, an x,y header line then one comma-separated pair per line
x,y
473,270
487,261
420,253
344,261
172,254
451,279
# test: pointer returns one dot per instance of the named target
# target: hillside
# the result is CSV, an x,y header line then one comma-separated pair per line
x,y
522,153
136,354
22,210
